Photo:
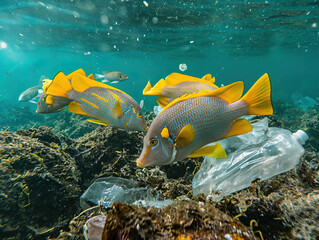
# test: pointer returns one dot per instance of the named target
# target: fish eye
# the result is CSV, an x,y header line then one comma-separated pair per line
x,y
153,142
138,115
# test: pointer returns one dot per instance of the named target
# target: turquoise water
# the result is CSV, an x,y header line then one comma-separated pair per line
x,y
149,40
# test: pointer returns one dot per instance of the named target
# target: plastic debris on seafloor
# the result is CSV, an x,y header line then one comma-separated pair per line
x,y
93,228
108,190
260,154
157,109
304,102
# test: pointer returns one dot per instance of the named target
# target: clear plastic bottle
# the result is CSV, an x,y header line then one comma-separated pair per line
x,y
260,154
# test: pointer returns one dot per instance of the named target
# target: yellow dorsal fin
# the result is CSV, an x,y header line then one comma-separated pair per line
x,y
162,101
176,78
258,98
230,93
98,122
185,137
216,151
75,107
117,110
80,83
240,126
147,88
91,76
49,99
156,90
59,86
45,84
79,71
165,133
208,77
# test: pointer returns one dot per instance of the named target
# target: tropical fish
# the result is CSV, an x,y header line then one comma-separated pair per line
x,y
113,77
50,104
108,105
187,124
176,84
32,93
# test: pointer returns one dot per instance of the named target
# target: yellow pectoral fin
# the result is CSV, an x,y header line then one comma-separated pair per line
x,y
147,88
79,71
98,122
91,76
117,110
49,99
185,137
215,151
258,98
165,133
240,126
162,101
75,107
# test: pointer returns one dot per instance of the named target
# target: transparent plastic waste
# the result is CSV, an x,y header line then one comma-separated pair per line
x,y
157,109
260,154
108,190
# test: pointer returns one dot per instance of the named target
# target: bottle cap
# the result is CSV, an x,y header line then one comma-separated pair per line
x,y
300,136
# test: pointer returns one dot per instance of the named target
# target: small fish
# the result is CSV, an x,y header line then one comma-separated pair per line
x,y
176,85
186,125
108,105
30,94
113,77
51,104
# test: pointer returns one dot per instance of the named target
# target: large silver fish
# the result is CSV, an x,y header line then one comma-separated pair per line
x,y
187,124
110,106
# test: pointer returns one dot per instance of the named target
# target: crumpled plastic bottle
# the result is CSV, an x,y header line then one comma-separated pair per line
x,y
108,190
260,154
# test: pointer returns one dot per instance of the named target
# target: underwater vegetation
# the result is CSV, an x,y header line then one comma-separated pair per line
x,y
43,176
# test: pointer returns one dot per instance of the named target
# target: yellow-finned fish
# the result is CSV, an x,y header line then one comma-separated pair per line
x,y
186,125
108,105
176,85
50,104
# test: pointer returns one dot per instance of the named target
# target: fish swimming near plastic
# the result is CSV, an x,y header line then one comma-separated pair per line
x,y
50,104
176,85
188,123
108,105
113,77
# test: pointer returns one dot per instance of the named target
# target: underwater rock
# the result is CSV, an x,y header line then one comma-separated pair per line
x,y
39,187
185,220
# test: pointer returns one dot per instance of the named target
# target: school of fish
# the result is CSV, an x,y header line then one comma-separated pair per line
x,y
196,112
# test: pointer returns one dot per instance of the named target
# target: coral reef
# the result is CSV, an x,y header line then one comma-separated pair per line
x,y
43,174
39,187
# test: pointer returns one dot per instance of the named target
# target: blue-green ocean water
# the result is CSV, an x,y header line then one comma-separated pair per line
x,y
148,40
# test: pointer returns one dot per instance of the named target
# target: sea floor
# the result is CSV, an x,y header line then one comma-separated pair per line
x,y
48,161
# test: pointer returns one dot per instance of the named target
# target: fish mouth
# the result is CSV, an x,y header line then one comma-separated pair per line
x,y
139,163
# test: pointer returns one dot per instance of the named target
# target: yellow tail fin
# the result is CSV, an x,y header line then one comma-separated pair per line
x,y
59,86
258,98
